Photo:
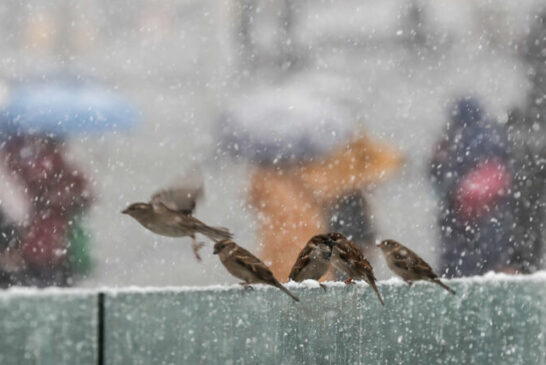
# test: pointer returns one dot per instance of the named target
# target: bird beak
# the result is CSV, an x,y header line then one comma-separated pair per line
x,y
216,249
377,243
125,211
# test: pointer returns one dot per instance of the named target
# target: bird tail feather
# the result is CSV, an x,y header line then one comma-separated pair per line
x,y
283,288
437,281
215,233
374,287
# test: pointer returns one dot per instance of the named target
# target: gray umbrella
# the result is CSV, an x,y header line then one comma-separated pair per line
x,y
284,125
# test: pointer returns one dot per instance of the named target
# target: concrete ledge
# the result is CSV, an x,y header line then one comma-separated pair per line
x,y
495,320
51,326
492,320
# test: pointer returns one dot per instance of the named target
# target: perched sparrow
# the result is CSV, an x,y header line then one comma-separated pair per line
x,y
169,213
314,259
408,265
244,265
348,258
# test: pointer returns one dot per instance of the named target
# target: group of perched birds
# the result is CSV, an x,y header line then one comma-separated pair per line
x,y
170,213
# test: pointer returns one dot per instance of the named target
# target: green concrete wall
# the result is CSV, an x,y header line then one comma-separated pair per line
x,y
501,321
48,327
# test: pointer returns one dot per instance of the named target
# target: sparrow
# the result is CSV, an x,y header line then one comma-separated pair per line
x,y
313,260
169,213
408,265
244,265
348,258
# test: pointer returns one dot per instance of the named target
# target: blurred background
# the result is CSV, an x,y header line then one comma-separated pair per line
x,y
134,93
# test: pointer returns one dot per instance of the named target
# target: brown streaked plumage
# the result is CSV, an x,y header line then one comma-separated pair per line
x,y
408,265
348,258
314,259
244,265
169,213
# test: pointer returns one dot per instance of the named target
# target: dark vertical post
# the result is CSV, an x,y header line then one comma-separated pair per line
x,y
100,329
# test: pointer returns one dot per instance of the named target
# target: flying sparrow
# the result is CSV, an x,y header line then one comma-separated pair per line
x,y
314,259
348,258
169,213
408,265
244,265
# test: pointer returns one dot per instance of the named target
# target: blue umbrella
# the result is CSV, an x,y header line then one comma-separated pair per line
x,y
65,107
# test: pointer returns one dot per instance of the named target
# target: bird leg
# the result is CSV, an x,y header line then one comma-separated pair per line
x,y
322,286
196,246
349,280
408,282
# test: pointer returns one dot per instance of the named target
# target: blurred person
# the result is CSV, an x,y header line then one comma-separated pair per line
x,y
52,246
48,196
472,176
297,122
297,202
10,260
310,167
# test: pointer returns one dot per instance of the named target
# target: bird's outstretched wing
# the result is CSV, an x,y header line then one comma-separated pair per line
x,y
182,196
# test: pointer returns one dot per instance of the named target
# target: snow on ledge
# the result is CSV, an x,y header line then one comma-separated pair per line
x,y
14,292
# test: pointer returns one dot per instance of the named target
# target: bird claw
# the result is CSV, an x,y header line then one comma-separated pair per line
x,y
196,246
349,281
323,286
246,286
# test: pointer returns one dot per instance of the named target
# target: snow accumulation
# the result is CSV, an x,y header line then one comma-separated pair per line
x,y
490,277
16,292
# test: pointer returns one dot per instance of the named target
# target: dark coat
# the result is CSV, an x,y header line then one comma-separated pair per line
x,y
472,246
